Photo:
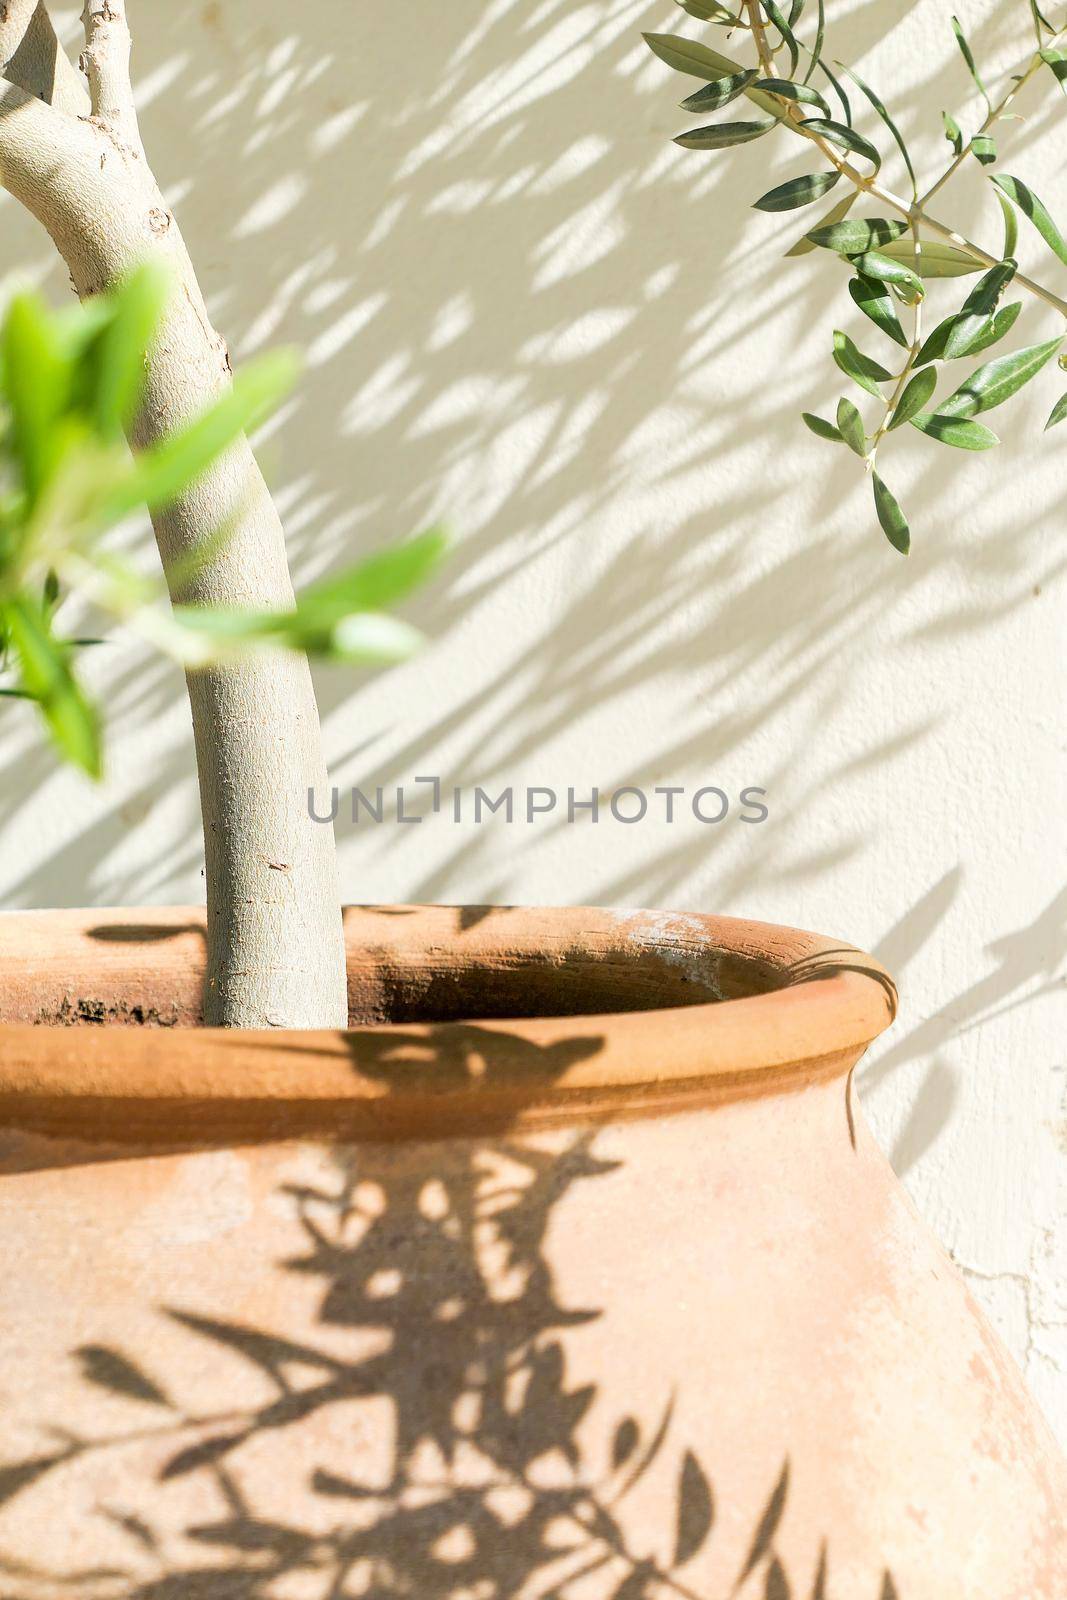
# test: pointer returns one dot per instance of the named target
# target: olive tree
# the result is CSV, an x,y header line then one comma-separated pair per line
x,y
71,153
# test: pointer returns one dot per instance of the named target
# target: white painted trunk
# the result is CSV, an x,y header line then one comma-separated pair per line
x,y
275,948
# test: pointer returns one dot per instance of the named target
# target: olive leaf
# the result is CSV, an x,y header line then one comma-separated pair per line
x,y
893,522
826,430
873,264
953,132
687,55
1035,209
718,135
955,431
983,149
933,259
1058,412
798,92
934,347
898,137
968,56
977,309
835,214
1011,225
845,138
915,397
853,237
850,426
990,385
860,368
720,92
875,301
797,192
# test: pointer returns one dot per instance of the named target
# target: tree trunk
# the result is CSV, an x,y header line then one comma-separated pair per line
x,y
275,947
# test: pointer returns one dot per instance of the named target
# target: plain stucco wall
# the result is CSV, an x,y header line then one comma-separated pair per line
x,y
522,307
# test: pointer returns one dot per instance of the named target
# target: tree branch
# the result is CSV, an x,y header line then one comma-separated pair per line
x,y
106,60
32,58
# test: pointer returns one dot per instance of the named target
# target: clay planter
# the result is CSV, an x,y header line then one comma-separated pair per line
x,y
570,1272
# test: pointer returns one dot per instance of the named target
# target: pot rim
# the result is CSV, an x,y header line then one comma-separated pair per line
x,y
777,1008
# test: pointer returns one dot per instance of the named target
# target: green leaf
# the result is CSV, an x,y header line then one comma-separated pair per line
x,y
820,34
990,385
788,39
934,260
916,394
117,359
984,149
37,379
1011,225
956,431
1002,323
845,138
1056,61
861,234
835,214
376,583
1058,412
886,118
953,132
850,426
876,302
823,429
797,192
706,10
965,51
686,55
872,264
717,135
798,92
47,678
978,309
860,368
163,472
720,93
893,522
1034,208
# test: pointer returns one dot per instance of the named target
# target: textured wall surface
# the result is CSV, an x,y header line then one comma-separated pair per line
x,y
522,307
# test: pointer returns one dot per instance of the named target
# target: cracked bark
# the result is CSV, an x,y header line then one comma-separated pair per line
x,y
74,158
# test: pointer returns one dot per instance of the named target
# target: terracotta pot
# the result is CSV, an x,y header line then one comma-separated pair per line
x,y
569,1271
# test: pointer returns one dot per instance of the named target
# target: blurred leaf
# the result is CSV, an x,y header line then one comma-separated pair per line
x,y
205,1453
953,132
379,581
166,470
822,428
916,394
886,118
894,523
772,1516
696,1510
1058,412
37,379
984,149
797,192
716,136
20,1474
1040,20
719,93
845,138
819,1590
777,1585
860,368
996,381
120,353
933,260
50,592
46,677
797,92
1002,323
874,264
1011,225
835,214
858,235
875,302
625,1442
110,1370
706,10
850,426
1056,61
955,431
965,51
1034,208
